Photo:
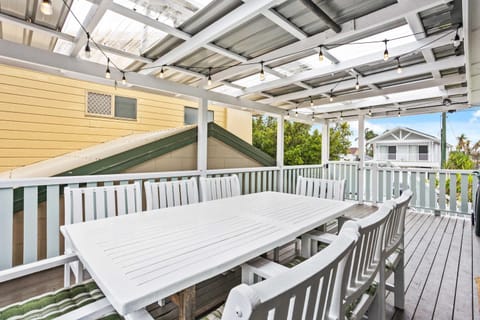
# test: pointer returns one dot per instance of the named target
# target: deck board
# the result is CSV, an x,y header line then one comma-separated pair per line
x,y
440,272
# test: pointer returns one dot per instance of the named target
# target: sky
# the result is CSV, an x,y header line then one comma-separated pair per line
x,y
462,121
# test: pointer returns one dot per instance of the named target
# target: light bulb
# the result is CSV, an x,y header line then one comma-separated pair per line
x,y
107,72
311,101
399,68
398,113
341,116
313,116
331,98
209,79
88,53
262,73
162,73
124,79
288,115
296,113
320,54
385,53
46,7
369,112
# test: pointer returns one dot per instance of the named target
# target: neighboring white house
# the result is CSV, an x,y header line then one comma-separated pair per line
x,y
405,147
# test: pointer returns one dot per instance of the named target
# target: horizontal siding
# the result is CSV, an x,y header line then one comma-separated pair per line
x,y
43,116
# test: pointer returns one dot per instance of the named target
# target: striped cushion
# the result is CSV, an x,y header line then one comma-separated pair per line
x,y
54,304
214,315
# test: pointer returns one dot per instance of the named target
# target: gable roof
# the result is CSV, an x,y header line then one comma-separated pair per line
x,y
388,132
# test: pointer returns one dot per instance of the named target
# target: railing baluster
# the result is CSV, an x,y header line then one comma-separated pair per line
x,y
396,183
422,186
453,192
431,190
388,185
264,181
246,184
442,193
413,187
464,193
380,185
53,221
368,184
6,228
30,224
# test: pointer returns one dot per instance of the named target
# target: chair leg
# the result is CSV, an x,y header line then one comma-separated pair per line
x,y
377,309
399,278
306,247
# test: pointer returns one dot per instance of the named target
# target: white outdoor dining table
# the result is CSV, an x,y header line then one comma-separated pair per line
x,y
142,258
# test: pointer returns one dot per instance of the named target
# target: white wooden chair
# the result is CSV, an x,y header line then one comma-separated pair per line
x,y
321,188
167,194
311,290
394,248
92,203
219,187
364,267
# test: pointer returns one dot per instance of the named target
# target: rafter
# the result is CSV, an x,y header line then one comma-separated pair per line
x,y
221,26
361,26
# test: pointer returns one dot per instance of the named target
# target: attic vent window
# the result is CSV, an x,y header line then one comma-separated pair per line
x,y
109,105
99,104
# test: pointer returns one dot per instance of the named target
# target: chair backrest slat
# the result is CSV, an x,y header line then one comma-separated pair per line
x,y
321,188
396,224
313,289
167,194
219,187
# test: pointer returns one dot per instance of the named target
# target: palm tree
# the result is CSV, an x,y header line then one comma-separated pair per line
x,y
462,141
475,152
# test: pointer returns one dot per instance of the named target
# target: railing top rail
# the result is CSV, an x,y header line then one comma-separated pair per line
x,y
304,166
238,170
45,181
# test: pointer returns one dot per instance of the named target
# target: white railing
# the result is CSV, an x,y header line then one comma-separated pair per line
x,y
431,188
29,205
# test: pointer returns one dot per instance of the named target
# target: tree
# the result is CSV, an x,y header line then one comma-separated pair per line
x,y
369,134
302,145
459,160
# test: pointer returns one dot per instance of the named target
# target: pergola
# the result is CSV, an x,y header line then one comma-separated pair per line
x,y
320,60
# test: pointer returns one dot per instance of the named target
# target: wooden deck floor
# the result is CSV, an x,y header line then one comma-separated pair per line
x,y
442,261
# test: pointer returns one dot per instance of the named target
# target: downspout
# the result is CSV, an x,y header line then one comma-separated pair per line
x,y
322,15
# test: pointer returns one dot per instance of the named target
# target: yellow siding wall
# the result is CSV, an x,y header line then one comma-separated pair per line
x,y
43,116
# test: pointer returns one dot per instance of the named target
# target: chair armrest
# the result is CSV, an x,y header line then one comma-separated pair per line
x,y
261,267
320,236
34,267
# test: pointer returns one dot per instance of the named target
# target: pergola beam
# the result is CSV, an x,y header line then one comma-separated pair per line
x,y
450,62
86,70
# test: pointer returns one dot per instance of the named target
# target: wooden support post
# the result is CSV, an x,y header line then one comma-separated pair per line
x,y
202,136
280,152
185,301
361,155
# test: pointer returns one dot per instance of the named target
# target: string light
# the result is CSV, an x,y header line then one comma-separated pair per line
x,y
162,73
370,112
209,80
341,115
107,72
320,54
46,7
288,115
296,112
313,116
385,53
399,67
311,101
262,73
87,47
124,79
456,40
357,85
398,112
331,95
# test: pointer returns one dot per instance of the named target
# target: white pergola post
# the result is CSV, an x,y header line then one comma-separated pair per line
x,y
202,134
325,147
280,151
361,155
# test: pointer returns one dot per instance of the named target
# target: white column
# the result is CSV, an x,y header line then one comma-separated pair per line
x,y
325,146
280,151
361,155
202,137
